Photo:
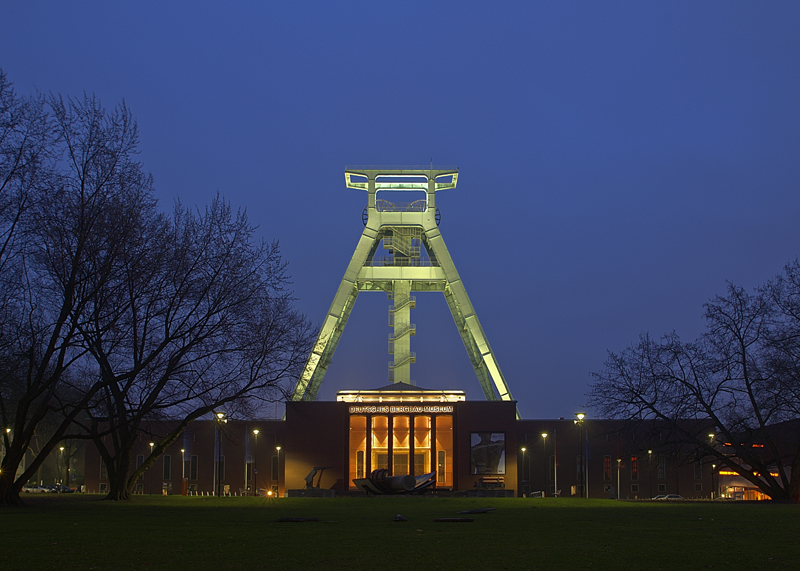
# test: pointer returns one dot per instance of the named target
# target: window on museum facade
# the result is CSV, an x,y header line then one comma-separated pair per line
x,y
422,445
444,443
662,467
401,445
606,467
634,467
358,447
380,442
193,468
167,471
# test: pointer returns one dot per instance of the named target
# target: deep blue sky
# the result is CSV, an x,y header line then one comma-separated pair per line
x,y
619,161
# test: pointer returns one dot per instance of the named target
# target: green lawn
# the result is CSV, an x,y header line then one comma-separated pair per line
x,y
83,532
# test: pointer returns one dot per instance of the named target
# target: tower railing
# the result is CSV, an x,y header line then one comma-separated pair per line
x,y
386,206
401,262
400,360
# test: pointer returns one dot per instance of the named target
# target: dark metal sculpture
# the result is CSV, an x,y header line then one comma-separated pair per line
x,y
310,478
380,482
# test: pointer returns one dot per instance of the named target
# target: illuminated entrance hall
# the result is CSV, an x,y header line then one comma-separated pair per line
x,y
390,426
417,261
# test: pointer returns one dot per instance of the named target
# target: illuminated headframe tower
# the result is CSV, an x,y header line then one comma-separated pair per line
x,y
417,260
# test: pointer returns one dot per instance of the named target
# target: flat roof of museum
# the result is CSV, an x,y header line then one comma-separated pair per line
x,y
399,391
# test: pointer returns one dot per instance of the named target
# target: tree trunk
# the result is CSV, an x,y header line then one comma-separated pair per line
x,y
118,487
118,466
9,489
9,494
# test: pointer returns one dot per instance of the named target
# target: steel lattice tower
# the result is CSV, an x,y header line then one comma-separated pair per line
x,y
406,231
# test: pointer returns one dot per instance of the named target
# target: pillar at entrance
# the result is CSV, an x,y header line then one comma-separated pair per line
x,y
417,260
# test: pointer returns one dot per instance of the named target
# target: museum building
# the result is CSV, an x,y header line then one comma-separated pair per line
x,y
472,447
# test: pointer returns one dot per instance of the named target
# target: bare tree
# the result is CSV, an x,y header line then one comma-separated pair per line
x,y
64,238
200,319
732,396
113,312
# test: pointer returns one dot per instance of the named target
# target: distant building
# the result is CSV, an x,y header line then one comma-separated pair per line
x,y
476,447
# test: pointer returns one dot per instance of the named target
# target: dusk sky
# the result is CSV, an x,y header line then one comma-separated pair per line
x,y
619,161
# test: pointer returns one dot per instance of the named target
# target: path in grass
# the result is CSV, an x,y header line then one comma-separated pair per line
x,y
83,532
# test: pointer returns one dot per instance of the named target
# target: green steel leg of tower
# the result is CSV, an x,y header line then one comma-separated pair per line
x,y
475,341
469,345
317,364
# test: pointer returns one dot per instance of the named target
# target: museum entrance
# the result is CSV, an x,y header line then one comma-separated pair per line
x,y
414,444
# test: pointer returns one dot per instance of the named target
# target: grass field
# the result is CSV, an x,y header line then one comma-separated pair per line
x,y
83,532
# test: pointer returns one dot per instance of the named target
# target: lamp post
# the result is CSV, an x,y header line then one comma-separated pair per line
x,y
61,448
711,436
544,461
220,421
650,470
713,489
149,470
5,442
255,464
555,462
619,461
184,487
582,468
524,481
278,448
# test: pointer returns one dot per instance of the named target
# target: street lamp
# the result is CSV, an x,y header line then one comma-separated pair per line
x,y
619,461
650,470
555,462
184,487
61,448
713,489
6,438
581,473
149,470
278,448
220,420
255,465
544,461
524,480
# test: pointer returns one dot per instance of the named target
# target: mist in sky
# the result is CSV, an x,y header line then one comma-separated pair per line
x,y
619,161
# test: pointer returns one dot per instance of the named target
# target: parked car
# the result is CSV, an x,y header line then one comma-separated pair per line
x,y
35,489
661,497
62,489
673,497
